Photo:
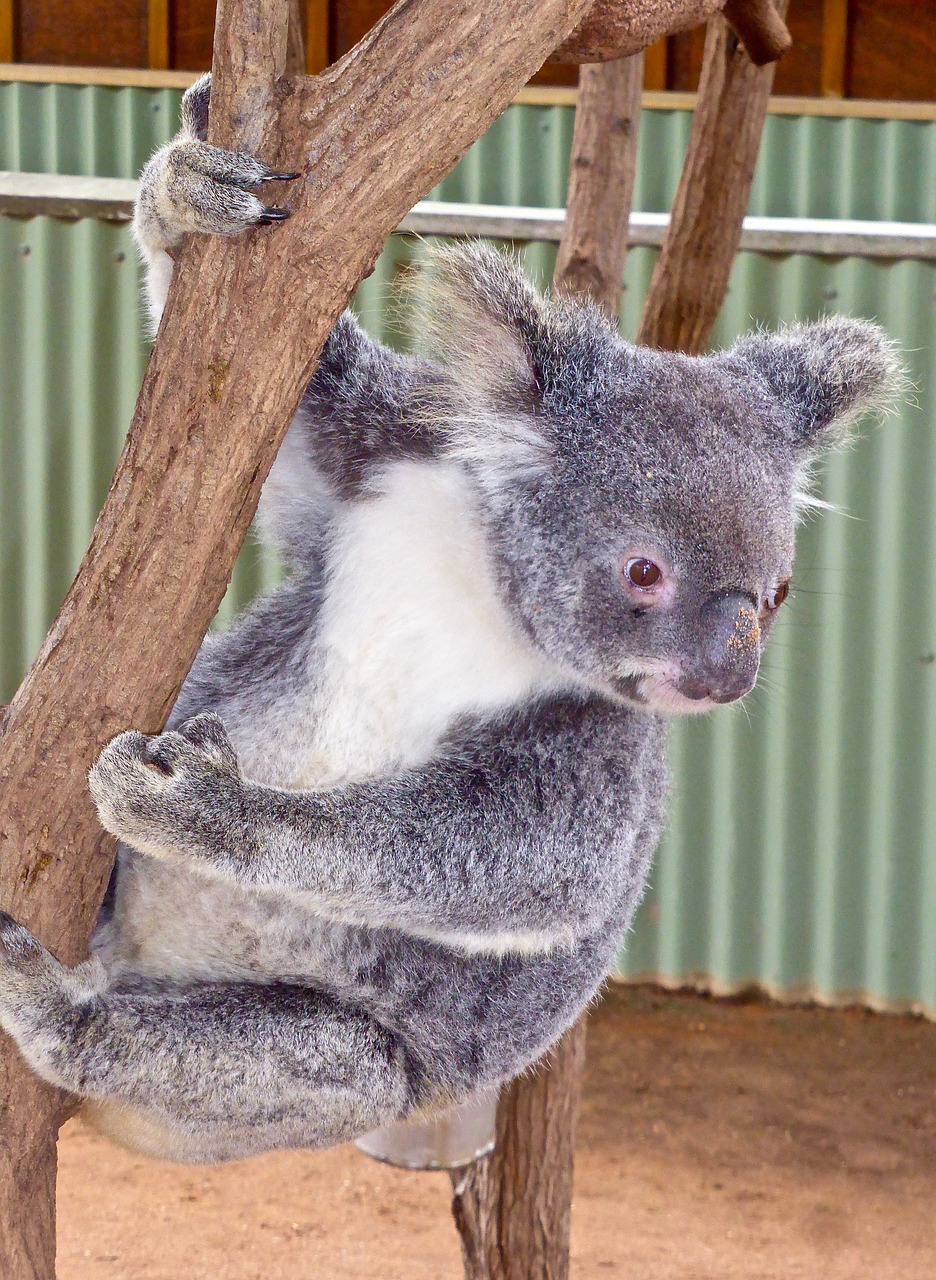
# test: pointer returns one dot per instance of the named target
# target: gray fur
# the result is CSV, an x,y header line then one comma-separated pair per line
x,y
405,808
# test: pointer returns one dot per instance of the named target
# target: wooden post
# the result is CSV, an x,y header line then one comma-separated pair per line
x,y
834,60
691,276
373,134
513,1207
157,35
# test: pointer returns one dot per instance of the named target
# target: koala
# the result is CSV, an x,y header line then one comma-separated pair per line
x,y
404,810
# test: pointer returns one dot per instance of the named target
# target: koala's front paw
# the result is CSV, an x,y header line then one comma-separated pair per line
x,y
192,186
175,793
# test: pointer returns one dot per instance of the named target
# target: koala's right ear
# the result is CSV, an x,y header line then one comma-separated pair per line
x,y
489,331
826,375
486,323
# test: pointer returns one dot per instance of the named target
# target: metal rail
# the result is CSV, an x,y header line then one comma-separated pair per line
x,y
65,196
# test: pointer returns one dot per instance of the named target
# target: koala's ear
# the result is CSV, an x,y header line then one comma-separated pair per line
x,y
488,330
826,375
485,321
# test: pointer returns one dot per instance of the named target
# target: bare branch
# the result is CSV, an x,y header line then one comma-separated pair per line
x,y
240,335
691,277
591,256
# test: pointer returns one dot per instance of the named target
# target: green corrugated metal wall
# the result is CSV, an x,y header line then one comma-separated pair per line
x,y
802,849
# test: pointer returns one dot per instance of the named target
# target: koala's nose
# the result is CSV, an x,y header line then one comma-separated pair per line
x,y
730,649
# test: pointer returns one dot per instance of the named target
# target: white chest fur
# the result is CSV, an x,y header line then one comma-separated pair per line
x,y
412,635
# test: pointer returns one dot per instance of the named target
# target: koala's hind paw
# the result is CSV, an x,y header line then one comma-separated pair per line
x,y
174,793
19,950
192,186
40,998
29,974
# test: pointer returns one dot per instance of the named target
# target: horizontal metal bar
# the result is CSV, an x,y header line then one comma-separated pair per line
x,y
62,195
66,196
826,237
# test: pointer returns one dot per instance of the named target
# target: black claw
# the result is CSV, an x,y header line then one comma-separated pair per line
x,y
272,215
280,177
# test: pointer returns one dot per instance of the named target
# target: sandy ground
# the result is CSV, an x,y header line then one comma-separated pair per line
x,y
718,1141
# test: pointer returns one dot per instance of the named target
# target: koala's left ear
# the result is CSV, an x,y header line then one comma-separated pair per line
x,y
826,375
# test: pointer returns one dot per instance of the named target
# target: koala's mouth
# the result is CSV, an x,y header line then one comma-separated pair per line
x,y
631,688
672,694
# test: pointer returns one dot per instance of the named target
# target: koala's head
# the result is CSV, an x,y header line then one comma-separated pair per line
x,y
641,505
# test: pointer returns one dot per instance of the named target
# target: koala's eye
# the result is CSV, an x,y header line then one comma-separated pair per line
x,y
642,573
775,598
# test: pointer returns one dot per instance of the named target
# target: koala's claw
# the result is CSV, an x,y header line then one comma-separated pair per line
x,y
193,186
272,215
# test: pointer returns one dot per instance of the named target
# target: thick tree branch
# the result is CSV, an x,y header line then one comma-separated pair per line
x,y
616,29
247,59
240,335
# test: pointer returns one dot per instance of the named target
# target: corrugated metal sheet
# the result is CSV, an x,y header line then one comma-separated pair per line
x,y
802,849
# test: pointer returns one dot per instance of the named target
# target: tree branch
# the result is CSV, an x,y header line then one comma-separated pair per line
x,y
241,332
690,281
590,262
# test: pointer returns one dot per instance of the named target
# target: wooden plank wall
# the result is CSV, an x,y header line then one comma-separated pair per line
x,y
883,49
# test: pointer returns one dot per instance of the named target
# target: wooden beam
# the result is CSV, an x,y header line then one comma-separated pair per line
x,y
7,31
318,36
834,48
656,66
787,105
157,35
532,95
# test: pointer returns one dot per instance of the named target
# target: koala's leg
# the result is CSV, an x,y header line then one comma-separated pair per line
x,y
202,1071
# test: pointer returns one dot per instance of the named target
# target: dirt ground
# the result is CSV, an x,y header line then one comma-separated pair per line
x,y
718,1141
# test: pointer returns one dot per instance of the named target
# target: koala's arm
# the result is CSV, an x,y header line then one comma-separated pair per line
x,y
531,831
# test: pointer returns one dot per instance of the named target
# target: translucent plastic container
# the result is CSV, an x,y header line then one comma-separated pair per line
x,y
452,1140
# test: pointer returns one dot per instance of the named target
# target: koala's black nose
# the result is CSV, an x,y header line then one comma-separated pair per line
x,y
729,650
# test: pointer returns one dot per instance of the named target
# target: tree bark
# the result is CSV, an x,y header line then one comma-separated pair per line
x,y
590,261
295,41
240,335
513,1207
690,281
